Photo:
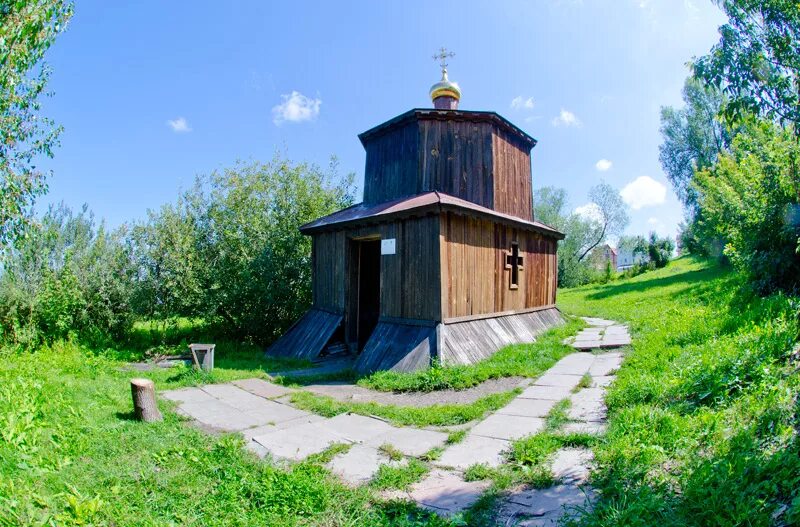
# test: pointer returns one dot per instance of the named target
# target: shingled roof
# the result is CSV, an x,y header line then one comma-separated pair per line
x,y
418,205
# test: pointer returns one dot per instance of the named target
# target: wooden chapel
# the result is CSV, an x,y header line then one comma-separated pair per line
x,y
443,260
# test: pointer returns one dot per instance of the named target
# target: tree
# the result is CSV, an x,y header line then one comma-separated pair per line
x,y
606,216
750,198
693,137
27,29
609,216
659,250
229,251
757,60
68,277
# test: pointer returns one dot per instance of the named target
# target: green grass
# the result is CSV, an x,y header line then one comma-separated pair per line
x,y
524,360
704,412
528,459
70,454
399,477
435,415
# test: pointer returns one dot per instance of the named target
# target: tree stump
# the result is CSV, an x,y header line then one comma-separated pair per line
x,y
145,408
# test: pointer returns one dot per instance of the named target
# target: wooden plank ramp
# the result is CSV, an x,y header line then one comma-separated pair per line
x,y
307,337
397,347
474,340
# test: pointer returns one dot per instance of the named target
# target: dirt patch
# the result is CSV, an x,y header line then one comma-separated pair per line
x,y
342,391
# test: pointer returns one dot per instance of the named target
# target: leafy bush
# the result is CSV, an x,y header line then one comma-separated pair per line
x,y
750,198
67,278
229,250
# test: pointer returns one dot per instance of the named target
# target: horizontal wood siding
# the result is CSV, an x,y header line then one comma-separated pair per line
x,y
409,278
512,176
474,278
392,168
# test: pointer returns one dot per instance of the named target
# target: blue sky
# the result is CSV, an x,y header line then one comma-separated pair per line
x,y
152,93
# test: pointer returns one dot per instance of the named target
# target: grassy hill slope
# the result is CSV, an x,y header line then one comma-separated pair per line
x,y
704,413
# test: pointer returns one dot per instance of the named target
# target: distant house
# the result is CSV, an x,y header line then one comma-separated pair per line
x,y
602,255
627,258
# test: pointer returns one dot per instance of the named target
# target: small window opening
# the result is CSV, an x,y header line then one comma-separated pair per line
x,y
514,264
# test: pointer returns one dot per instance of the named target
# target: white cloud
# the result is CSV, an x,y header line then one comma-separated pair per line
x,y
296,108
590,211
566,118
604,165
653,221
179,125
643,191
520,103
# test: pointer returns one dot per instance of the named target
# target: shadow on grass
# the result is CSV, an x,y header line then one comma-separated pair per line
x,y
126,416
692,278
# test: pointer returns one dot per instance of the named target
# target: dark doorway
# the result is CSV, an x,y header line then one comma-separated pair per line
x,y
368,289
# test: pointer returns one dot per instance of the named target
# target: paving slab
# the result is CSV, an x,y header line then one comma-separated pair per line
x,y
598,321
187,395
605,365
508,427
572,465
357,428
474,450
298,442
219,415
410,441
587,344
250,433
201,409
276,413
616,330
446,493
573,364
263,388
602,381
591,427
588,394
358,465
551,393
541,506
527,407
587,407
559,379
615,342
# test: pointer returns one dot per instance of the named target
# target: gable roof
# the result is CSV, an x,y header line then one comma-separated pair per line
x,y
419,205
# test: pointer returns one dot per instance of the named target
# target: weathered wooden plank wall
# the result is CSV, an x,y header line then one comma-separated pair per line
x,y
474,278
456,158
392,168
409,278
473,340
398,347
477,161
308,336
512,176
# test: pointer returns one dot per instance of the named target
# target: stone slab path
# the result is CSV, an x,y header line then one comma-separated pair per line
x,y
600,334
261,412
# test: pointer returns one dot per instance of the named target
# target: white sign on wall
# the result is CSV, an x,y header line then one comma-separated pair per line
x,y
387,246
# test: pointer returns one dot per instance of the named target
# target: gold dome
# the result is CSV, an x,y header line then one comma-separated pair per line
x,y
445,88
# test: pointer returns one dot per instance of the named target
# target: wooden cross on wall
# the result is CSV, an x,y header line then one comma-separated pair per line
x,y
514,263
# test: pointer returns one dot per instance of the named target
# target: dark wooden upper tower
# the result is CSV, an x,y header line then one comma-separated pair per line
x,y
476,156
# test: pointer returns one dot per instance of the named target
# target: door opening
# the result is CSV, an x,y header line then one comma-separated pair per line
x,y
368,289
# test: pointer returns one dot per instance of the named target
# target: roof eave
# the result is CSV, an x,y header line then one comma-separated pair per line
x,y
433,114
